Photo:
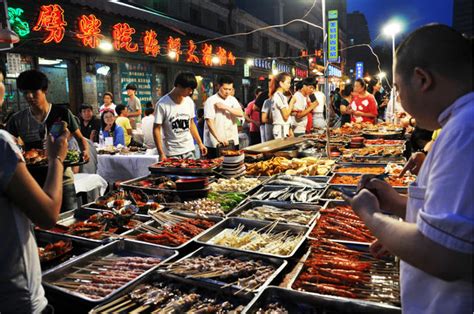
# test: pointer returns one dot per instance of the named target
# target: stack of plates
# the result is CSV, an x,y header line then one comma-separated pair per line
x,y
233,166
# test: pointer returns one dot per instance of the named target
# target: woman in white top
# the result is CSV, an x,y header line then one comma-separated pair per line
x,y
281,110
319,122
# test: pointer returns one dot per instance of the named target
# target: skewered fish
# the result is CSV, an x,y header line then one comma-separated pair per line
x,y
266,212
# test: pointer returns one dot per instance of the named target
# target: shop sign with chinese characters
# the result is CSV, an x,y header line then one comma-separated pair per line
x,y
53,24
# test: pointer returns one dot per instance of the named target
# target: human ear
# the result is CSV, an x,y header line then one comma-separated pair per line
x,y
423,79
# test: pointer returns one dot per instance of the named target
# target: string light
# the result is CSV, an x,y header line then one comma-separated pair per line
x,y
172,54
215,60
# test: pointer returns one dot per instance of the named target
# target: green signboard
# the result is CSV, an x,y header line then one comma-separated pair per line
x,y
332,14
333,37
140,75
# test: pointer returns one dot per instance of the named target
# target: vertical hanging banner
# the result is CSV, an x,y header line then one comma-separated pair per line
x,y
359,70
333,36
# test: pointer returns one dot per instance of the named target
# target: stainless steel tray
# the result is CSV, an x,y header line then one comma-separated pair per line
x,y
81,214
372,160
355,165
304,302
318,179
359,247
283,205
186,285
249,225
152,223
251,191
343,185
271,188
122,248
79,247
204,251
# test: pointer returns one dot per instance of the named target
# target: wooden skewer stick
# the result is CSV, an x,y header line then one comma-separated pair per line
x,y
105,306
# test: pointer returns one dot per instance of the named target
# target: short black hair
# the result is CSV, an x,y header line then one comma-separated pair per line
x,y
362,83
225,79
119,109
337,89
185,80
32,80
261,98
258,90
149,111
299,85
309,81
437,48
347,91
85,106
148,104
131,86
200,112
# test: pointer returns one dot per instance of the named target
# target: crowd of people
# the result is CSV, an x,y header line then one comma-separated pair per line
x,y
433,238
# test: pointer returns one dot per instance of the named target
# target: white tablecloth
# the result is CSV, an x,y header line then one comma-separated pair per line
x,y
86,182
124,167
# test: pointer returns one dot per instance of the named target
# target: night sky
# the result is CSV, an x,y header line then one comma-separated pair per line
x,y
413,13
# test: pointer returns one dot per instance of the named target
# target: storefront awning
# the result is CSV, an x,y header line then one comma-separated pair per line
x,y
130,10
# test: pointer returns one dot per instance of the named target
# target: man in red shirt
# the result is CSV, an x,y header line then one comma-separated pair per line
x,y
252,116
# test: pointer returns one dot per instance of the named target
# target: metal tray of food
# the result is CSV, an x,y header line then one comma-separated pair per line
x,y
274,181
261,180
67,163
350,189
284,206
355,166
81,214
122,248
378,277
79,247
343,174
293,230
211,167
392,143
132,233
395,135
295,302
205,251
124,304
372,160
260,195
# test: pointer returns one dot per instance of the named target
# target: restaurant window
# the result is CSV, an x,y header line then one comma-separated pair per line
x,y
57,72
104,80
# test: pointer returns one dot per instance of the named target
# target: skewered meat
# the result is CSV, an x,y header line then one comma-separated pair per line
x,y
55,250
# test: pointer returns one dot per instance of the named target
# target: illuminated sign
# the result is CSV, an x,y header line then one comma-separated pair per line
x,y
16,23
191,57
231,58
51,20
150,43
332,14
334,71
89,31
333,38
122,36
207,54
359,70
174,47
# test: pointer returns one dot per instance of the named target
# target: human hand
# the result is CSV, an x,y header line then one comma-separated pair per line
x,y
203,150
378,250
57,147
221,106
413,164
86,154
387,196
162,156
364,203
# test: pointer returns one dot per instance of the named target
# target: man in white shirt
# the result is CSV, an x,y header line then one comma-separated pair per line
x,y
174,127
221,112
318,113
301,109
147,128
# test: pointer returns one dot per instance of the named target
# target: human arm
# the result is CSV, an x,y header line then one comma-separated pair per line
x,y
81,140
212,130
413,164
405,240
42,205
158,141
305,112
134,114
128,127
236,111
197,138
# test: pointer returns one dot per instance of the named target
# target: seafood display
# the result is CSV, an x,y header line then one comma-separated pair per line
x,y
163,296
240,185
54,251
100,226
333,194
288,194
267,212
341,223
273,308
307,166
362,170
101,277
262,240
202,207
247,274
170,230
290,180
335,269
384,151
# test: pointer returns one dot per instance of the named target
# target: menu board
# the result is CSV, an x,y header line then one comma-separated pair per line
x,y
139,74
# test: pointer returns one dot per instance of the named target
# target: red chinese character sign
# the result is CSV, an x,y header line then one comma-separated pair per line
x,y
51,19
174,47
150,43
191,57
231,58
122,36
207,54
222,55
89,30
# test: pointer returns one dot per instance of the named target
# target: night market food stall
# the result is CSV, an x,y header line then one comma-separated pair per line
x,y
277,237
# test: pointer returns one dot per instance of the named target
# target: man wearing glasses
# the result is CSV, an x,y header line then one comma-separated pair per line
x,y
174,127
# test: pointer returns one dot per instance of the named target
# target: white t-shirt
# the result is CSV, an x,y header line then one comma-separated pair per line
x,y
318,112
111,107
267,108
300,105
225,124
174,119
279,102
147,128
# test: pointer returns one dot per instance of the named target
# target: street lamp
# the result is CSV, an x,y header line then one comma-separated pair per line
x,y
392,29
